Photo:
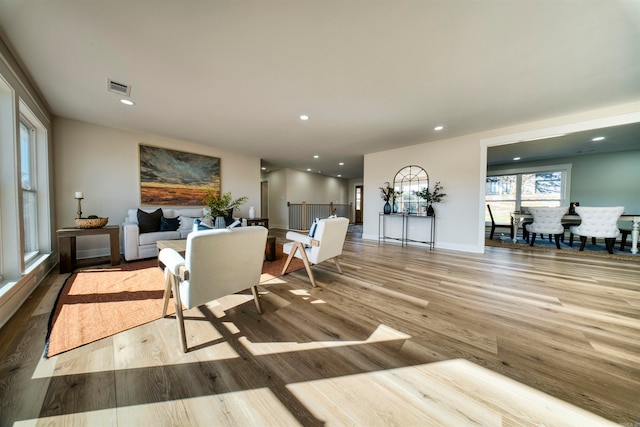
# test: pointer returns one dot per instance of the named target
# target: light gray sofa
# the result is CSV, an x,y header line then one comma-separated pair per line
x,y
138,245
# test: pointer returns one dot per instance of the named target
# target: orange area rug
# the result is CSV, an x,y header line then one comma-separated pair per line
x,y
95,303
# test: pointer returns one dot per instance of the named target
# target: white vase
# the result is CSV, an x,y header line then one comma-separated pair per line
x,y
252,213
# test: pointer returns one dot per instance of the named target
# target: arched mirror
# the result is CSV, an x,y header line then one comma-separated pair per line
x,y
407,181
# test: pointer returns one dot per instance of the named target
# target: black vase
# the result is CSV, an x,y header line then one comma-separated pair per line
x,y
430,211
387,208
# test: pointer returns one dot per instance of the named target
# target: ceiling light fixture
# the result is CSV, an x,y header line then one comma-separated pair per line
x,y
309,170
516,158
339,176
264,169
440,127
341,164
127,102
304,117
315,156
598,138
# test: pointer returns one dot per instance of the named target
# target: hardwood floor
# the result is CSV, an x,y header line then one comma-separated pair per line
x,y
404,337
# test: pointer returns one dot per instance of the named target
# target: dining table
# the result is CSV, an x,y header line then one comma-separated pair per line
x,y
517,218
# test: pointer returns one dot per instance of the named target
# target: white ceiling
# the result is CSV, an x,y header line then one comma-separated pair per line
x,y
372,75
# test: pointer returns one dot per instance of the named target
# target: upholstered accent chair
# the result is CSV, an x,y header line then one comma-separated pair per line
x,y
326,244
494,225
216,263
597,222
547,221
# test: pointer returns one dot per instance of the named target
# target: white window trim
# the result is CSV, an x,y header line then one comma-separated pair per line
x,y
41,171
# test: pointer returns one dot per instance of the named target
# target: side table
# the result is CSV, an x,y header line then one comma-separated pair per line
x,y
258,221
67,244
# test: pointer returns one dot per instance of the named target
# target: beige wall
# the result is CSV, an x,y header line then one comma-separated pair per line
x,y
103,163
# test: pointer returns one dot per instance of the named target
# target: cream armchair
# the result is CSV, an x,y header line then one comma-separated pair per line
x,y
597,222
216,263
547,221
326,244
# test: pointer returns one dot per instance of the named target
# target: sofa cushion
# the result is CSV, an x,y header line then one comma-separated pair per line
x,y
149,222
169,224
186,222
190,212
132,214
152,238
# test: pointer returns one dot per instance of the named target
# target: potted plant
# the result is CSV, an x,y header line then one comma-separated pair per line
x,y
431,197
221,205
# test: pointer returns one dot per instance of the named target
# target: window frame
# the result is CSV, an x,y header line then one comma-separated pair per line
x,y
28,256
565,186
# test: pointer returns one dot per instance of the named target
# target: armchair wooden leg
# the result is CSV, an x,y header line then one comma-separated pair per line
x,y
335,259
305,260
291,254
557,236
168,279
256,298
181,331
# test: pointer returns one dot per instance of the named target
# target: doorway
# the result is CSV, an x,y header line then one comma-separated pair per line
x,y
358,203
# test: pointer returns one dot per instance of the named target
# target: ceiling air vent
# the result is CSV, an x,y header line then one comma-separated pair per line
x,y
119,88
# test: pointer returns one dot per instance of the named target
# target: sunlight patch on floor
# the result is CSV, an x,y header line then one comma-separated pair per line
x,y
382,333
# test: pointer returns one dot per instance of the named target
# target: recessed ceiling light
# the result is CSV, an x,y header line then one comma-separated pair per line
x,y
304,117
315,156
438,127
341,163
264,169
516,158
339,176
309,170
126,102
598,138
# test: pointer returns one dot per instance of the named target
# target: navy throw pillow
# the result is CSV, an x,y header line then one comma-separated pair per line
x,y
199,225
149,222
169,224
314,226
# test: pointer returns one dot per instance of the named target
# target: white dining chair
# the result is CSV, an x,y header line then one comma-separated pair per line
x,y
597,222
547,220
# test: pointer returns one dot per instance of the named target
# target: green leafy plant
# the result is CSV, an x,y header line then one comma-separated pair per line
x,y
219,204
430,197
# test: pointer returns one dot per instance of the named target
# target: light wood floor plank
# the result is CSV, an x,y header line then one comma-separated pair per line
x,y
406,337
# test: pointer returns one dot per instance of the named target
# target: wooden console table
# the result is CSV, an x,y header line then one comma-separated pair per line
x,y
67,244
258,221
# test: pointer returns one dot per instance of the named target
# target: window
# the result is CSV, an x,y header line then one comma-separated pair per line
x,y
511,190
28,189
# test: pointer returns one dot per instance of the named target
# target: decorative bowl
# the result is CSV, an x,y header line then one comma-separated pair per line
x,y
91,222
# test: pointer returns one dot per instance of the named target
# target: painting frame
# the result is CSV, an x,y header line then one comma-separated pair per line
x,y
170,177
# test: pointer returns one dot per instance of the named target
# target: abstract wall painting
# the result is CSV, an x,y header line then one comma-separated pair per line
x,y
175,178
